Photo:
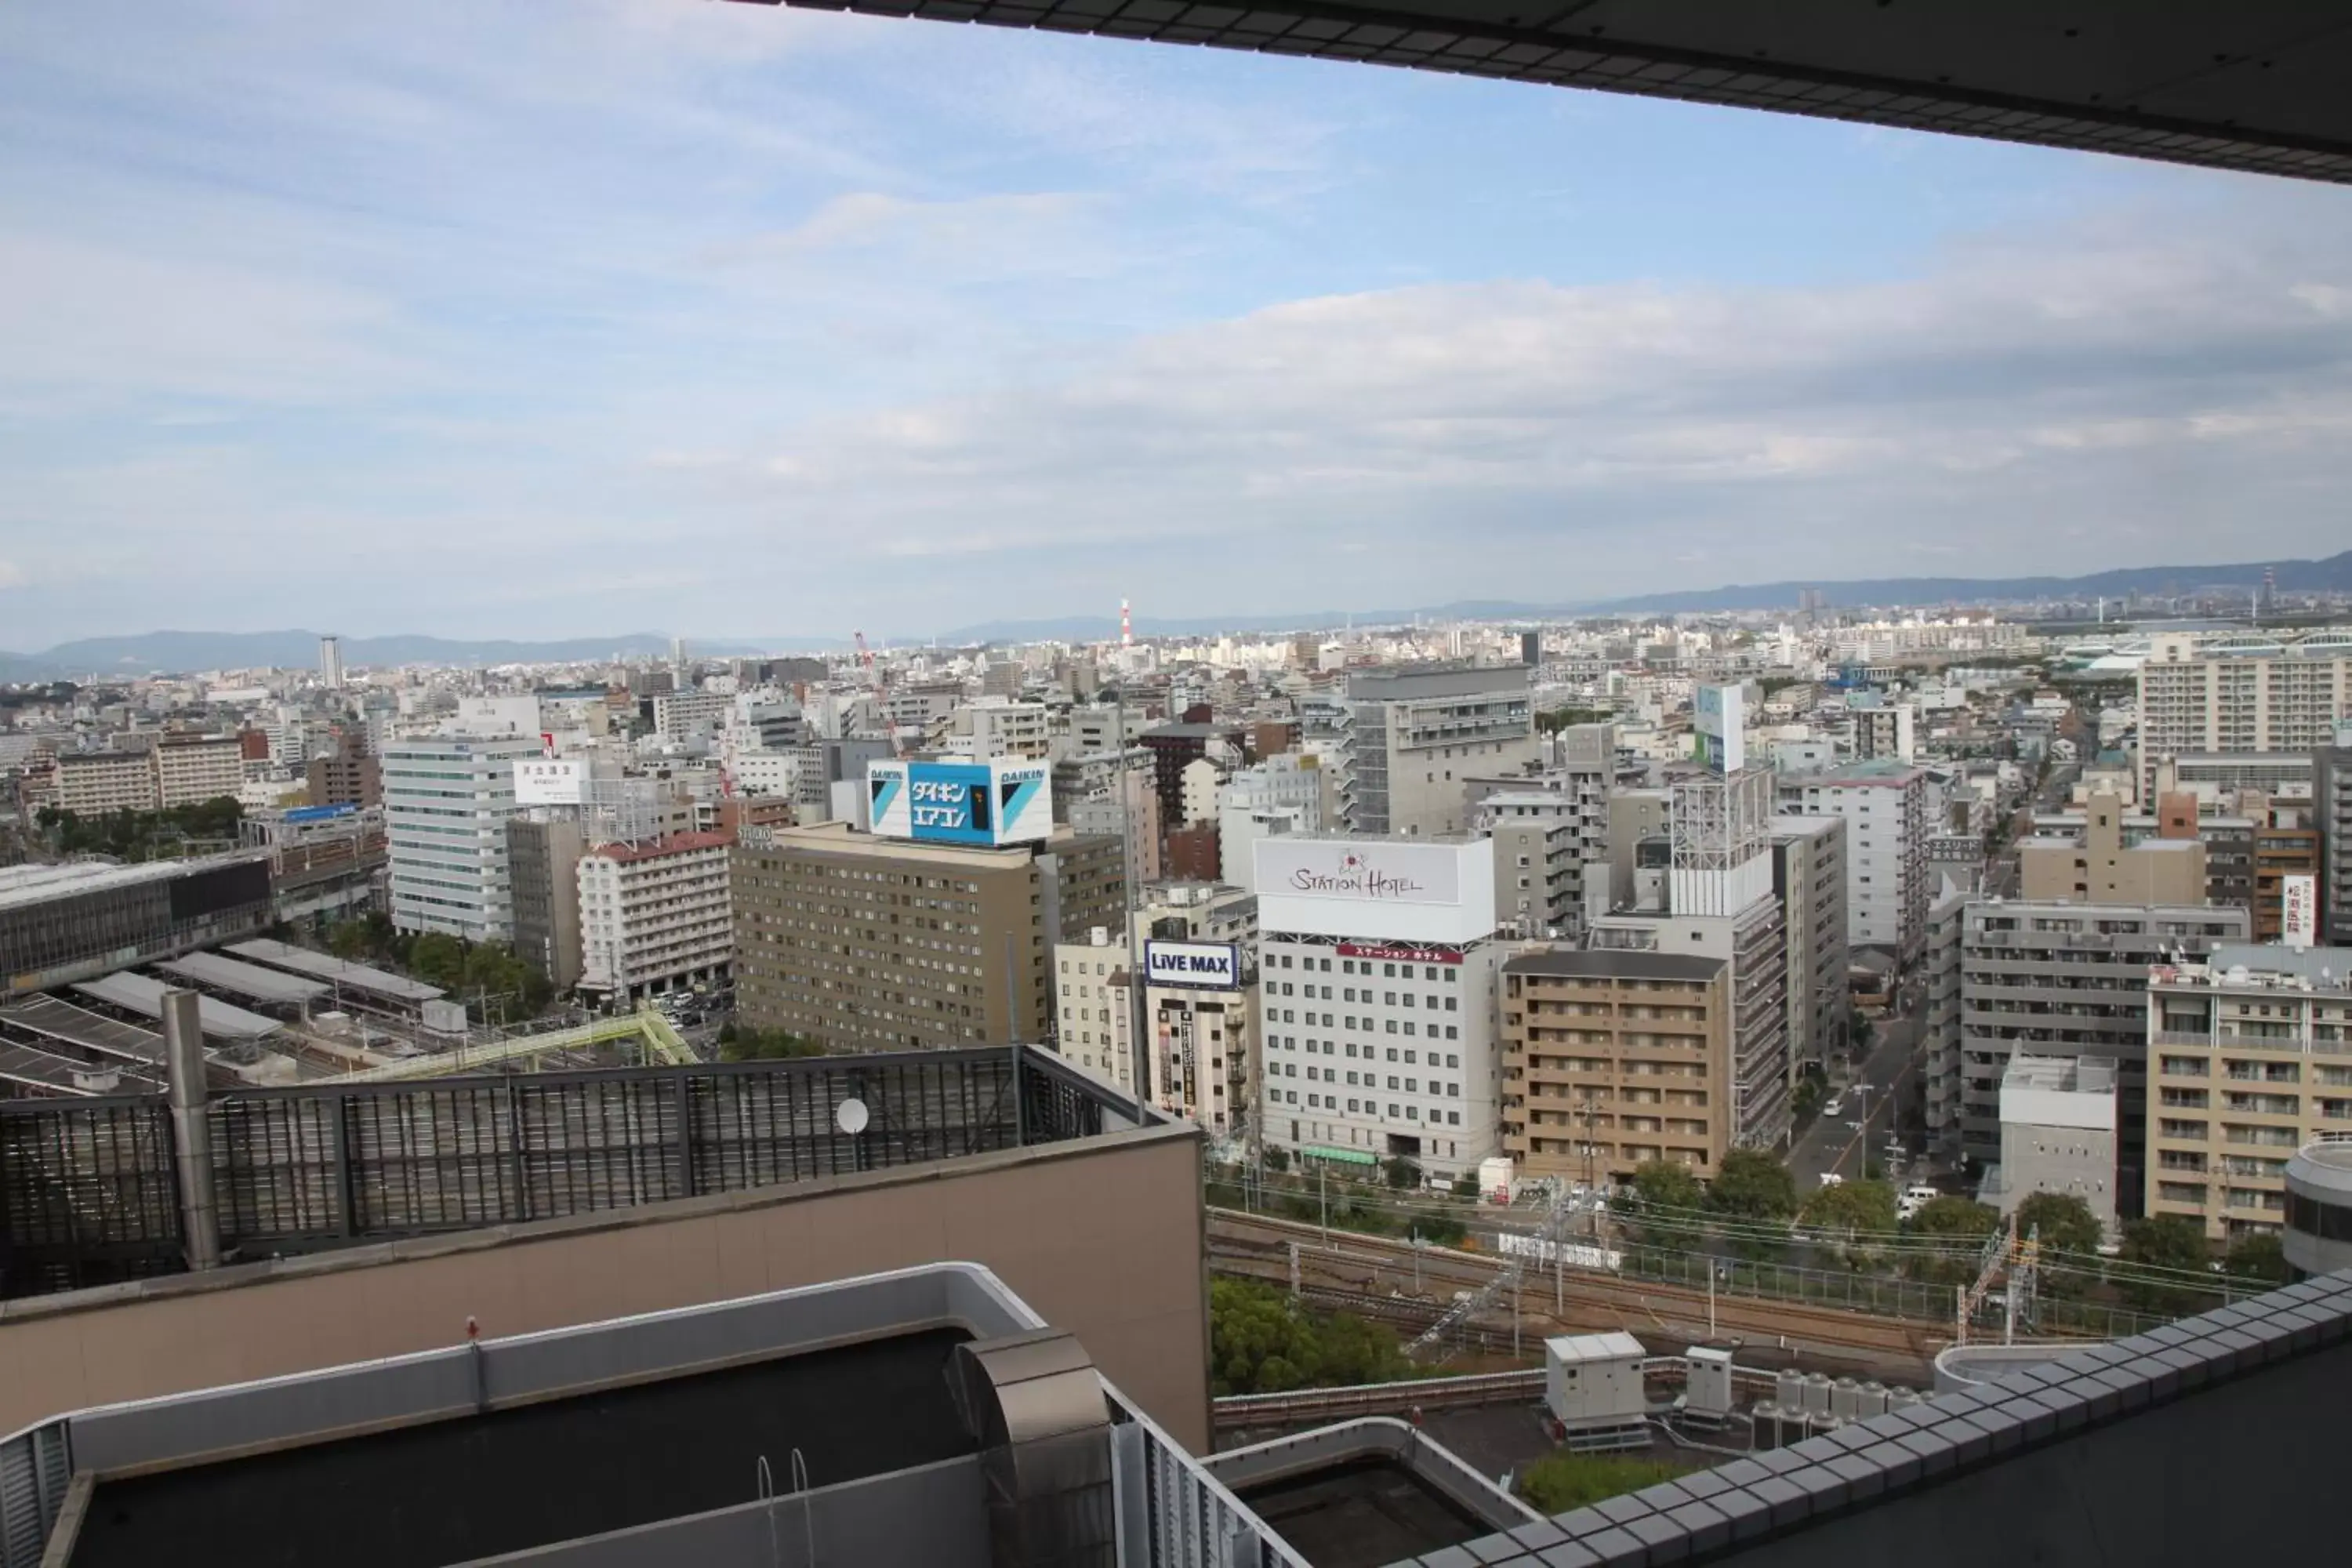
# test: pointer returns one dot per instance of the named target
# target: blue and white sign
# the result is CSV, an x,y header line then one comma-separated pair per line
x,y
1210,965
987,805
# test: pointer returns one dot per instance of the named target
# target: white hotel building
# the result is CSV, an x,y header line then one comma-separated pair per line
x,y
1377,980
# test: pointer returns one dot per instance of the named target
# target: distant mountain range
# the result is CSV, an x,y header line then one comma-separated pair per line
x,y
179,652
2333,574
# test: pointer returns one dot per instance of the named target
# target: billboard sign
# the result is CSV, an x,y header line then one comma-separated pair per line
x,y
1359,870
1719,717
985,805
551,781
1209,965
1405,955
2299,911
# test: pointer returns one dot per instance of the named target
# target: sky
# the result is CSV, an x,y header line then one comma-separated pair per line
x,y
493,318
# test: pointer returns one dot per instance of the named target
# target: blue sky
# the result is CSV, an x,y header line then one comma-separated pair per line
x,y
504,318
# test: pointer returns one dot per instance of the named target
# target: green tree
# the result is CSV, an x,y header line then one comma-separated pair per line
x,y
1663,1207
439,958
1753,1185
2256,1256
1953,1230
1277,1160
1260,1342
1851,1208
2167,1241
2065,1222
747,1044
1563,1480
1401,1174
348,939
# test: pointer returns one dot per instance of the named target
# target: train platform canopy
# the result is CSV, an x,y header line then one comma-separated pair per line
x,y
51,1073
378,983
60,1020
144,994
246,979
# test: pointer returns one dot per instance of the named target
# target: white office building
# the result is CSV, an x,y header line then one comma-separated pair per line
x,y
446,799
1378,969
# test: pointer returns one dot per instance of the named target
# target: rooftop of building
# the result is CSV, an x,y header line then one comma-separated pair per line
x,y
2061,1074
23,885
847,839
1613,963
1886,772
668,844
2264,966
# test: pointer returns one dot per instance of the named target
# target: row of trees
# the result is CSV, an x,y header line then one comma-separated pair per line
x,y
1260,1342
142,835
744,1043
2162,1263
496,984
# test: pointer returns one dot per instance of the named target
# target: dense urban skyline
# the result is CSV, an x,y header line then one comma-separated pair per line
x,y
741,320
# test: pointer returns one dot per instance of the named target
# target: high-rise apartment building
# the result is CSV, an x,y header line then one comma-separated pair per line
x,y
192,769
870,943
543,849
1809,878
2240,693
1939,1035
349,776
1888,823
1612,1059
2251,1054
654,916
2053,979
1753,944
330,663
1539,876
92,783
1377,978
447,802
1415,736
1094,1021
2331,804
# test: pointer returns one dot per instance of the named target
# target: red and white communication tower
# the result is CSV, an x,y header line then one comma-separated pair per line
x,y
865,654
1126,627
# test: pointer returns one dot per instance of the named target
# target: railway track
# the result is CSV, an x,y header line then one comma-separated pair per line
x,y
1377,1268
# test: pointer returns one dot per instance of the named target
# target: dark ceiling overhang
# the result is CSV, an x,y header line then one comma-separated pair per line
x,y
2263,85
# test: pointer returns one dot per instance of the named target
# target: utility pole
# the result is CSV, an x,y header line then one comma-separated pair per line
x,y
1323,1194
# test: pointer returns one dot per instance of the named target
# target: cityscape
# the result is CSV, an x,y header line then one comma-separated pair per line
x,y
1129,1065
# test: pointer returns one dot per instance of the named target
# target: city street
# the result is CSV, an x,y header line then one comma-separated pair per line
x,y
1831,1143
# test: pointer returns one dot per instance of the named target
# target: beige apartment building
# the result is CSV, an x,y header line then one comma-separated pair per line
x,y
2250,1058
92,783
868,944
2099,868
1612,1059
189,769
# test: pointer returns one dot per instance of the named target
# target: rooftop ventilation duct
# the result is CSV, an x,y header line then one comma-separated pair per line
x,y
1035,1405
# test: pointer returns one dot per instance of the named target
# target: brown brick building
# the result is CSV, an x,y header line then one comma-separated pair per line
x,y
867,944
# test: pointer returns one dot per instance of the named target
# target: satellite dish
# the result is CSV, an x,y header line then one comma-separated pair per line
x,y
851,1116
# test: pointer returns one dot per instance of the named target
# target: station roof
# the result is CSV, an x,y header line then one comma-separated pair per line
x,y
324,966
62,1020
144,994
47,1070
2257,85
246,979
